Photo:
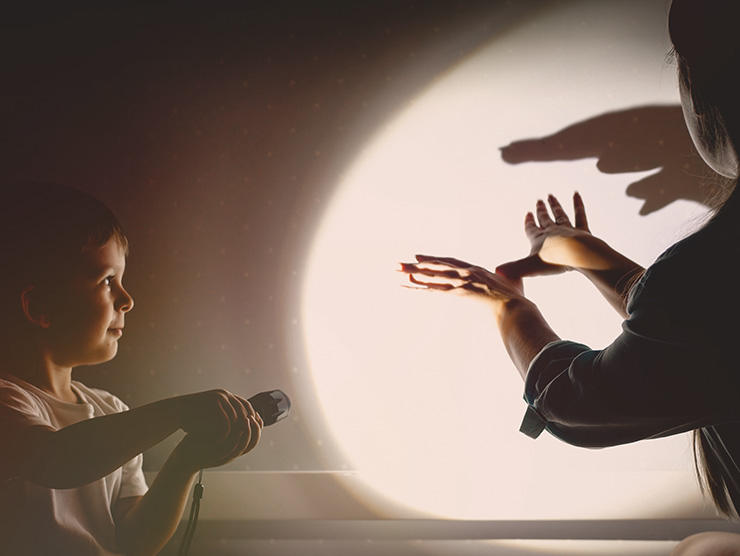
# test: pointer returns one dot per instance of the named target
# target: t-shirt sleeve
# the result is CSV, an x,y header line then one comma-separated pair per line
x,y
133,482
18,410
664,374
132,479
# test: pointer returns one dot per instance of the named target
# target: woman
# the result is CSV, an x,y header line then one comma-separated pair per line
x,y
674,367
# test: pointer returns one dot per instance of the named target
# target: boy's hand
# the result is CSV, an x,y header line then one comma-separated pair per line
x,y
214,415
201,452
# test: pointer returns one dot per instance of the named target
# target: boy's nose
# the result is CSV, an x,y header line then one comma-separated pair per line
x,y
125,301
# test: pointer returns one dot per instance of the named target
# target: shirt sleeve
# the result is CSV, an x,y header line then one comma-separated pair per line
x,y
132,479
18,410
133,482
666,373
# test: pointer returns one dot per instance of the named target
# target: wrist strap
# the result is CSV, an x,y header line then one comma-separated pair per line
x,y
187,538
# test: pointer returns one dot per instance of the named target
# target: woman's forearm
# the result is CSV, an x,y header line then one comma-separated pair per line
x,y
524,332
615,284
611,272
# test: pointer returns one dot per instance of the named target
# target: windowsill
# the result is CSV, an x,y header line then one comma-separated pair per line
x,y
338,505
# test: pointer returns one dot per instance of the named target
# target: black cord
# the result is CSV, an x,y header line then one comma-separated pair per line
x,y
271,406
187,538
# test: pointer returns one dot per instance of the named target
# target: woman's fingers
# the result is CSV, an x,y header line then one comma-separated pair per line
x,y
531,229
431,285
442,260
559,216
558,212
580,212
412,268
450,279
543,216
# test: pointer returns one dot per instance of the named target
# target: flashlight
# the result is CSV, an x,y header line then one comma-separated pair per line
x,y
272,405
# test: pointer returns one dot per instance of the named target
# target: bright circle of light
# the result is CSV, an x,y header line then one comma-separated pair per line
x,y
415,386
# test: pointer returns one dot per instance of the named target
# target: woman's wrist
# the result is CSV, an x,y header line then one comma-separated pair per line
x,y
597,255
510,308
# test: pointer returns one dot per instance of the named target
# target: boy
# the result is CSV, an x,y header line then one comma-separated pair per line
x,y
71,481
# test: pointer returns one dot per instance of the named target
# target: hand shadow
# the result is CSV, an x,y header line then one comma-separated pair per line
x,y
633,140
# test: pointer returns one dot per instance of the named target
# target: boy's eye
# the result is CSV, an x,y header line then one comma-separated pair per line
x,y
109,280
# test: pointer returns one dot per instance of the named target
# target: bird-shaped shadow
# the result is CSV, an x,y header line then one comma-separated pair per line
x,y
632,140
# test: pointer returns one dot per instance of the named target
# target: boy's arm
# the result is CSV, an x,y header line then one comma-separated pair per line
x,y
145,524
86,451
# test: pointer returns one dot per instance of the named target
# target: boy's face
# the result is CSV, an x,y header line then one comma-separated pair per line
x,y
87,318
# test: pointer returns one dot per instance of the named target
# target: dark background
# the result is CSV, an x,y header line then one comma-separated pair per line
x,y
216,133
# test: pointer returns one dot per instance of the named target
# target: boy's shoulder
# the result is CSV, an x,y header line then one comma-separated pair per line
x,y
99,396
17,396
17,390
10,383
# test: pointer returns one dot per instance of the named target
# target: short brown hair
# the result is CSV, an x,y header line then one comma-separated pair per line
x,y
47,227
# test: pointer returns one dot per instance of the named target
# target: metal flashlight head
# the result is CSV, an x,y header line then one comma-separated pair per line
x,y
272,405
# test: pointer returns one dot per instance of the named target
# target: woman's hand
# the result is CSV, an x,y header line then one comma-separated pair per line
x,y
523,329
447,274
557,245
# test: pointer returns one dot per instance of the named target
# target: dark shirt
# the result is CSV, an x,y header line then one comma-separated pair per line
x,y
674,368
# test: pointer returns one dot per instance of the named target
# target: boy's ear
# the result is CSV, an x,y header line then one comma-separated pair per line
x,y
32,308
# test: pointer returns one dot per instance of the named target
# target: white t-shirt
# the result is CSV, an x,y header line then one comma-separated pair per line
x,y
37,521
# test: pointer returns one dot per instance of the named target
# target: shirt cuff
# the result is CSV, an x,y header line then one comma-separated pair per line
x,y
560,351
532,424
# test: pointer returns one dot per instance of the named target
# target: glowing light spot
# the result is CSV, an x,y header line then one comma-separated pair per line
x,y
416,387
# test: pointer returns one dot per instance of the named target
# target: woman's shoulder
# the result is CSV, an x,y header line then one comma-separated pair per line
x,y
711,251
694,280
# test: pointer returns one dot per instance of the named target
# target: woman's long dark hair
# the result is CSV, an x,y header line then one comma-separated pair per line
x,y
707,50
709,473
709,469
